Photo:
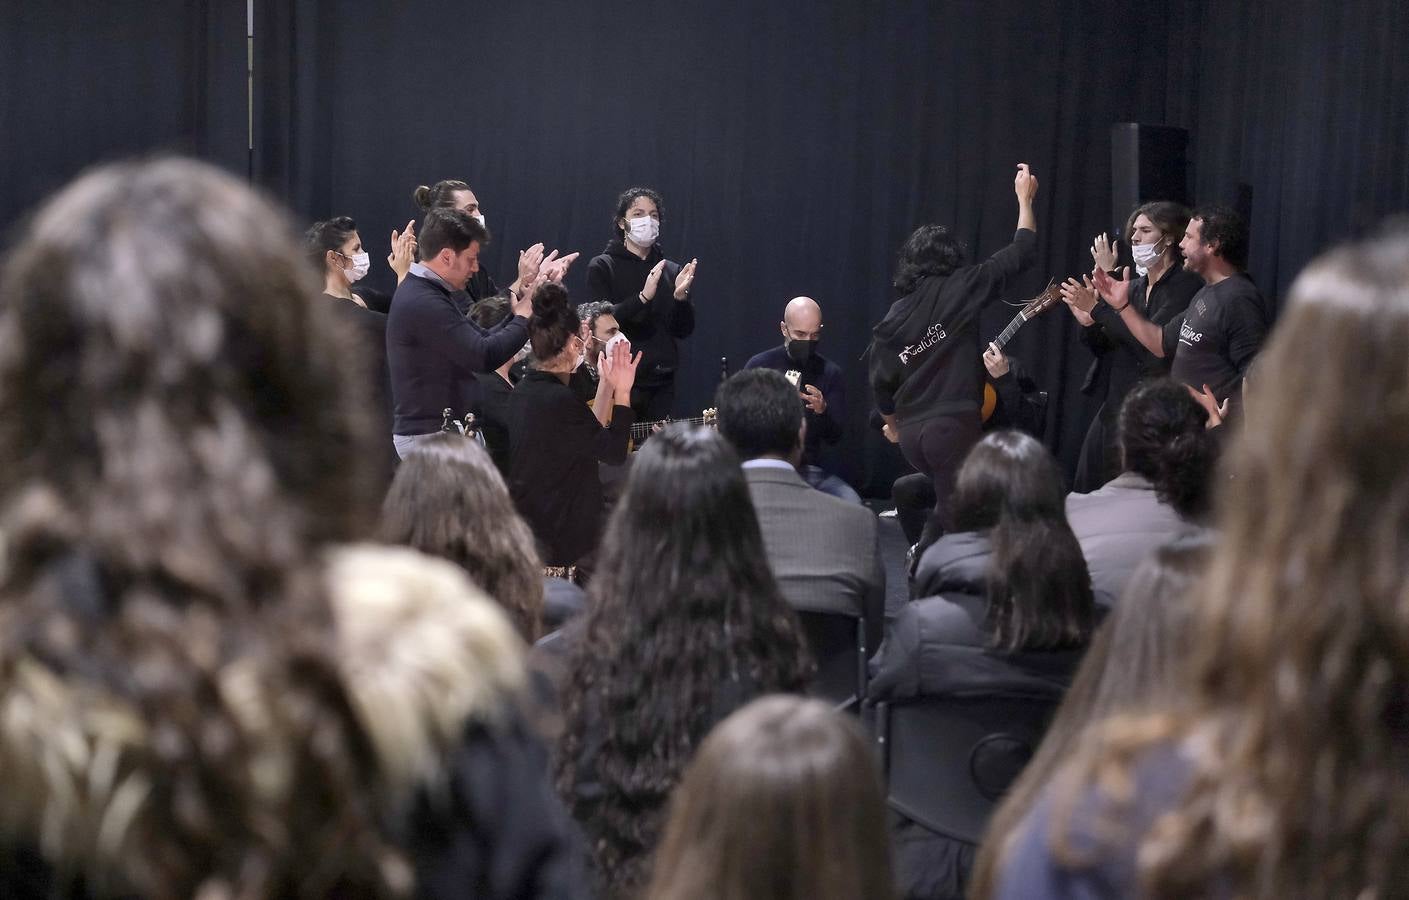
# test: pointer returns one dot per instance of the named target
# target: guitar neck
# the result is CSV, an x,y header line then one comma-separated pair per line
x,y
643,429
1018,322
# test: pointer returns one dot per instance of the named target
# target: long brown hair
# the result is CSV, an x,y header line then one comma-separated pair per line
x,y
684,622
449,500
180,432
1132,665
783,801
1297,735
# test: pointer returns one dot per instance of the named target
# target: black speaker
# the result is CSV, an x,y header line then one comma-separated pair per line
x,y
1148,162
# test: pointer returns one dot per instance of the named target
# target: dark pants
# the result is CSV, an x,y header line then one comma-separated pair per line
x,y
653,402
1100,453
913,496
937,447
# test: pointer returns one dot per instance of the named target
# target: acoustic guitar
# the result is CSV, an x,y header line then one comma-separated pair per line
x,y
1050,297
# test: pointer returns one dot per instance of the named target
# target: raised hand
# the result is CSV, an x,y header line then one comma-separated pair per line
x,y
403,250
1080,299
1217,412
1103,252
1115,291
685,279
995,362
529,261
648,290
554,270
1025,184
617,367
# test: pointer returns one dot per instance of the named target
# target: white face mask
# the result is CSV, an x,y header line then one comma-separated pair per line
x,y
1145,254
361,264
479,217
643,231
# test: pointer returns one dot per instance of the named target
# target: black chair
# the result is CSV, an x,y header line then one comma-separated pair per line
x,y
949,760
838,645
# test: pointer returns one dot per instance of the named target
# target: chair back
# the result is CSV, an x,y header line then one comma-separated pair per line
x,y
838,645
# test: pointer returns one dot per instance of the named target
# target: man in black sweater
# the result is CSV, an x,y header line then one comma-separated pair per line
x,y
821,389
433,351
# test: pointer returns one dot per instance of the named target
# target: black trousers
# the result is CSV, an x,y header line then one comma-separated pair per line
x,y
653,402
937,447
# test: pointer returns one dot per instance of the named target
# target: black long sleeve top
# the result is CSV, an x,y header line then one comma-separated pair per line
x,y
926,359
433,353
1121,360
555,444
617,276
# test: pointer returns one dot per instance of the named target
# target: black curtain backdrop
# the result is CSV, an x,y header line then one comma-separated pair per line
x,y
797,143
82,83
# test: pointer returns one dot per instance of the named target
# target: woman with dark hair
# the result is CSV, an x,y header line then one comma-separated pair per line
x,y
1007,600
1164,489
1281,773
556,441
448,500
782,801
1134,664
201,694
684,624
926,360
1161,293
335,248
650,296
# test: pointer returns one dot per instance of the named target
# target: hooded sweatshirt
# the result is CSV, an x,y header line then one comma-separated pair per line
x,y
617,276
926,359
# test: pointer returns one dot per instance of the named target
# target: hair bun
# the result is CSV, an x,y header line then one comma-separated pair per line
x,y
548,298
422,196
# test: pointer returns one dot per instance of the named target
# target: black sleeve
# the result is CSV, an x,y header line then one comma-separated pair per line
x,y
680,320
991,274
451,335
496,828
831,424
599,279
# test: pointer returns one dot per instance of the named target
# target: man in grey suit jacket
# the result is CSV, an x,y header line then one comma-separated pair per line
x,y
825,552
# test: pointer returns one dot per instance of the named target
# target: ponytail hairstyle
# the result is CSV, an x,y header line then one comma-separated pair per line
x,y
441,195
327,235
553,322
1163,437
1039,589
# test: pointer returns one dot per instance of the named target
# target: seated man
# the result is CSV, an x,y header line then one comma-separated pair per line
x,y
820,385
824,551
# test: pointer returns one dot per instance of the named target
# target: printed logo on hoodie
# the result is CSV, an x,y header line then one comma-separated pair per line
x,y
933,336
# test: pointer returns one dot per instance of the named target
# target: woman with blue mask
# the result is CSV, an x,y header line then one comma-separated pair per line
x,y
650,297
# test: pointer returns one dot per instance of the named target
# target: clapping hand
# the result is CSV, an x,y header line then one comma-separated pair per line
x,y
1080,298
648,290
684,279
617,367
1217,412
1115,291
403,250
1103,252
529,261
553,269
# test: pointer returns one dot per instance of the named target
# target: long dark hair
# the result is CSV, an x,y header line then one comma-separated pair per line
x,y
783,801
448,500
623,203
1296,731
1134,664
1039,589
1163,437
684,622
929,250
181,432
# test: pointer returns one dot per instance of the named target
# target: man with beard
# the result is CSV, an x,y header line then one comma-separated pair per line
x,y
820,386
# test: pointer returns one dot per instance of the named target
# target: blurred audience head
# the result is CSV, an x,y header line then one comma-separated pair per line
x,y
1163,438
449,500
1039,589
784,801
760,414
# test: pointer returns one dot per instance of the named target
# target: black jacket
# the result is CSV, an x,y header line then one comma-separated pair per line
x,y
433,353
938,646
926,359
617,276
555,443
371,332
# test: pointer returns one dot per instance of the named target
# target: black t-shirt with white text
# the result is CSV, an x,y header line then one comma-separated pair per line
x,y
1219,335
